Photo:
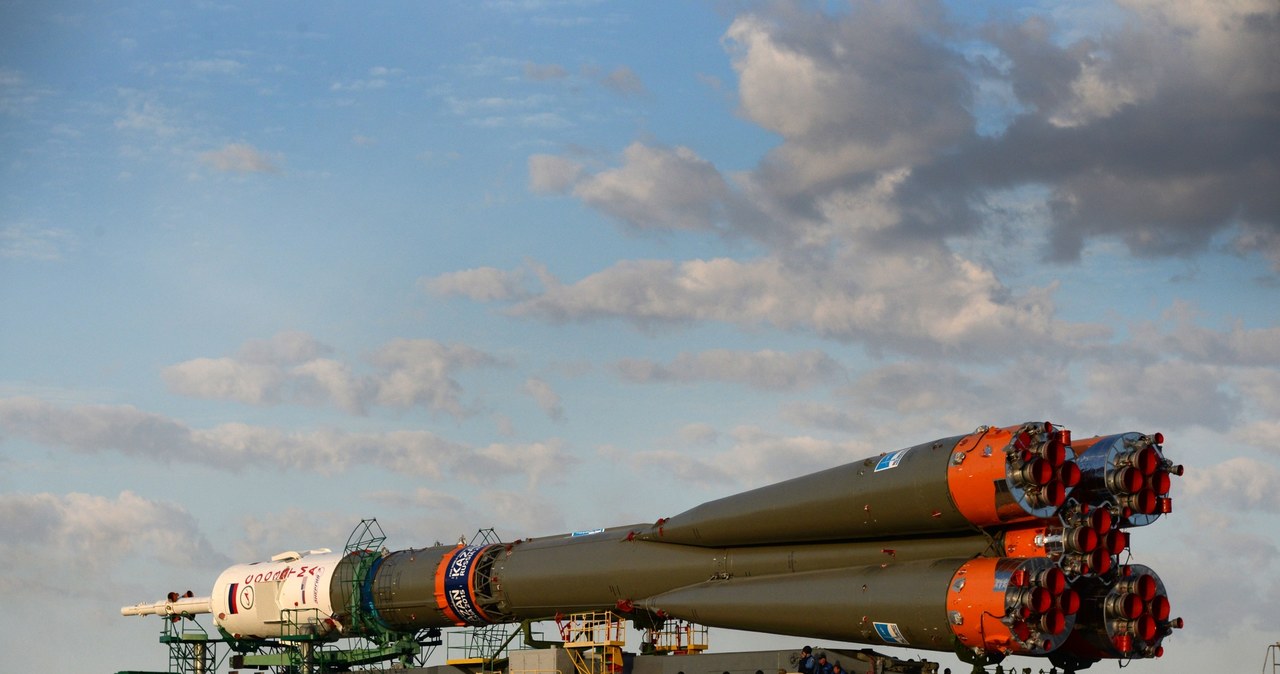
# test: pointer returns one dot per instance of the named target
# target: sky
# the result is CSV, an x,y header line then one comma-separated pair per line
x,y
268,269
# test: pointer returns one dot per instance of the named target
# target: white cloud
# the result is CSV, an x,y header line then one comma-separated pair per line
x,y
240,158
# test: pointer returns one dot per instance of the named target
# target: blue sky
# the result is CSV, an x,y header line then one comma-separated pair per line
x,y
270,268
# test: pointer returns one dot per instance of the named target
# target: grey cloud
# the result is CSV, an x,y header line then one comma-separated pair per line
x,y
91,428
1167,395
1178,332
427,499
826,417
623,80
235,446
1160,134
483,284
1240,483
526,512
419,372
923,304
285,348
549,174
1263,434
546,397
289,529
870,90
99,531
699,434
658,188
1260,387
288,369
542,72
681,466
539,461
1224,608
770,370
226,379
754,457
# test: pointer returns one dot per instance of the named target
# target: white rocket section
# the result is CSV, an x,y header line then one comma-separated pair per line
x,y
247,599
180,606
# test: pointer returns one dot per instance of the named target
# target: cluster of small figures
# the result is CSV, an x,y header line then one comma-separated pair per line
x,y
810,664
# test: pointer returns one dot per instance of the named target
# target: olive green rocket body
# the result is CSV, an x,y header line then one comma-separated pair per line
x,y
972,543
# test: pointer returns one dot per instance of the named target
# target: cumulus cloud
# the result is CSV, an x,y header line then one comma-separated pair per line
x,y
770,370
656,188
1155,133
240,158
289,368
870,90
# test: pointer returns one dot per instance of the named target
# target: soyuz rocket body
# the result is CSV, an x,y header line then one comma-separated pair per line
x,y
1003,541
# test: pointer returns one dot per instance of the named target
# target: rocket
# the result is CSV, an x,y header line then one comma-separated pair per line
x,y
1004,541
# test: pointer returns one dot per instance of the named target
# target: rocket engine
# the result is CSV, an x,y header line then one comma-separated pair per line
x,y
1002,541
